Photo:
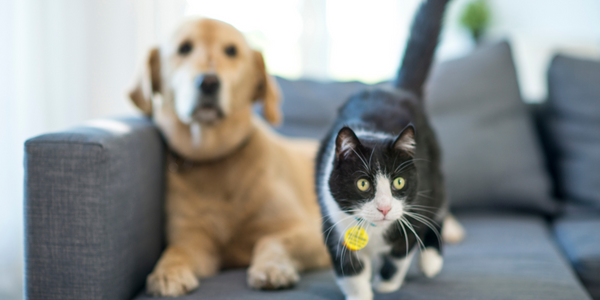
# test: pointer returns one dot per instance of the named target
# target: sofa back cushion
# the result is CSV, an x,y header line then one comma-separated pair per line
x,y
574,128
310,107
491,153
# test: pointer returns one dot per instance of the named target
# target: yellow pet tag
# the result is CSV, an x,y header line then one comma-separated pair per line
x,y
356,238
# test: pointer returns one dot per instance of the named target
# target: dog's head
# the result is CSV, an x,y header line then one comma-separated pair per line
x,y
199,87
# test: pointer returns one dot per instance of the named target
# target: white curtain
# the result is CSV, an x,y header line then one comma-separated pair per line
x,y
62,62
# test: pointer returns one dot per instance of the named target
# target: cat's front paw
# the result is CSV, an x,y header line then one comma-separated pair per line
x,y
272,275
388,286
359,297
431,262
366,295
385,287
453,232
171,281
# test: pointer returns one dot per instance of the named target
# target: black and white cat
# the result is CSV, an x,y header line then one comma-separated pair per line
x,y
379,181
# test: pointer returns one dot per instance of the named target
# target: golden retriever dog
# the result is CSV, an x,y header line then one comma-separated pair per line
x,y
244,195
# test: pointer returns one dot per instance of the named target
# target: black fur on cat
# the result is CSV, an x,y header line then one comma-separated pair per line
x,y
381,135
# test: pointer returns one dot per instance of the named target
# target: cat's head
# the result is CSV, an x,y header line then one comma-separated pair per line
x,y
373,175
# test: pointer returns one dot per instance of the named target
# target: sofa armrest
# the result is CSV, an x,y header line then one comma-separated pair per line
x,y
94,219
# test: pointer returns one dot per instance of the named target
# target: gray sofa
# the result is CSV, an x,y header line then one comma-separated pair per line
x,y
523,180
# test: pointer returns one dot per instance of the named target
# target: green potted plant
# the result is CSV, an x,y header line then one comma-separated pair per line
x,y
476,18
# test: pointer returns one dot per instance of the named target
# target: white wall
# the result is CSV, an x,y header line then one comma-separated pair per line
x,y
10,213
538,29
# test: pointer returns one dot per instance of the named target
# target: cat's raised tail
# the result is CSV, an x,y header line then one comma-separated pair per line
x,y
421,46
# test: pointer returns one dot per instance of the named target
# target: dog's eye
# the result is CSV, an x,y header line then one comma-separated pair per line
x,y
231,51
185,48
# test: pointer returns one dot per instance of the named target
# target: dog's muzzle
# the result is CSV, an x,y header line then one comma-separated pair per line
x,y
207,108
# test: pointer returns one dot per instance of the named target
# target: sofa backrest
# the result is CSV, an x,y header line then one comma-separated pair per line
x,y
572,127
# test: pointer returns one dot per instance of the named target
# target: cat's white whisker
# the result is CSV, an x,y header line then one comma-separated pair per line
x,y
422,219
341,235
370,157
424,216
413,209
328,230
405,235
424,196
401,165
344,248
411,228
353,232
424,206
360,157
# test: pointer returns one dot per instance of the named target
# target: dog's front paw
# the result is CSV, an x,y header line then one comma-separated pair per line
x,y
171,281
272,275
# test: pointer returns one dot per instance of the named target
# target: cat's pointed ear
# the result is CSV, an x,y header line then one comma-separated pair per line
x,y
406,140
346,142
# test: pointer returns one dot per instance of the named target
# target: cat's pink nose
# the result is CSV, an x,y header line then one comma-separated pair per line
x,y
384,210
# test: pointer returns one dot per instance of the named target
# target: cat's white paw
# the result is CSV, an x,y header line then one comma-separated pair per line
x,y
359,298
272,275
389,286
453,232
431,262
357,287
363,296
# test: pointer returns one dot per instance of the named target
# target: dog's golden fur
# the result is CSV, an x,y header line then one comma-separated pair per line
x,y
249,198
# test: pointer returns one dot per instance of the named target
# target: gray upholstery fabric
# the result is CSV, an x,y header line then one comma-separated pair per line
x,y
574,127
93,210
504,257
491,155
579,236
310,107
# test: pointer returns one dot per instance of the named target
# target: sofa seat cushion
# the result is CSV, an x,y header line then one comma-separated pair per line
x,y
505,256
579,236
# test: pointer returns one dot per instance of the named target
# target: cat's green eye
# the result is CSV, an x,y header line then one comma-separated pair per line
x,y
398,183
363,185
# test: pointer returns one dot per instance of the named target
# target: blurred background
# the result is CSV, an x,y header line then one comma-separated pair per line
x,y
63,62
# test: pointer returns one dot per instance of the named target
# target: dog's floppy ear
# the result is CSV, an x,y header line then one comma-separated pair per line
x,y
147,82
268,91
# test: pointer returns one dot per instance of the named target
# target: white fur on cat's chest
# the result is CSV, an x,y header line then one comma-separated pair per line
x,y
377,243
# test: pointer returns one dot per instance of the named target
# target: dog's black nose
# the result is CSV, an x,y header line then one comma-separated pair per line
x,y
208,84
